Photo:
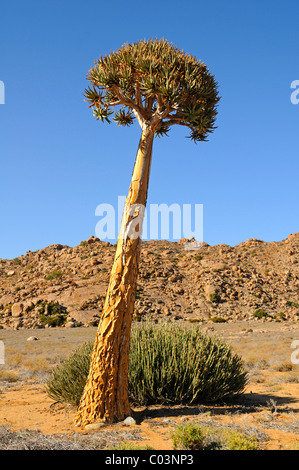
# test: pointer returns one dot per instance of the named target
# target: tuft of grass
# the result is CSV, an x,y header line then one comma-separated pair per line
x,y
188,437
283,366
197,437
294,446
9,376
129,446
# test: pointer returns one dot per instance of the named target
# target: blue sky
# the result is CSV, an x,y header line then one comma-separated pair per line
x,y
57,164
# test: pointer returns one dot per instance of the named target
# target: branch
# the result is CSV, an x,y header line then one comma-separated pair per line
x,y
171,122
161,113
115,103
127,101
138,95
139,118
176,119
160,104
149,105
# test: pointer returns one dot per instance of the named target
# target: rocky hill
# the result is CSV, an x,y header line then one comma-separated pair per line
x,y
61,285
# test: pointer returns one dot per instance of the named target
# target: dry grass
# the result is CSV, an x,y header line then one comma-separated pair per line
x,y
8,376
34,360
35,440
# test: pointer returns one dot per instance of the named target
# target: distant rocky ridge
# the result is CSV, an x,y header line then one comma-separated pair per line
x,y
252,280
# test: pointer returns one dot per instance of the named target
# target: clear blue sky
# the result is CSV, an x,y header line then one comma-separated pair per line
x,y
57,163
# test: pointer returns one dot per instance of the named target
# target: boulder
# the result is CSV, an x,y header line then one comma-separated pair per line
x,y
17,310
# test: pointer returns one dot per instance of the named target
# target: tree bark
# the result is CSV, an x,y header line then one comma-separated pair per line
x,y
105,395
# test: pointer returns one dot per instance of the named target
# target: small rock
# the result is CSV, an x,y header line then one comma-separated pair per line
x,y
129,421
94,426
94,262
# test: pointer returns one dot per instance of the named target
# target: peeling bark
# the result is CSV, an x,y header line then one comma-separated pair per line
x,y
105,396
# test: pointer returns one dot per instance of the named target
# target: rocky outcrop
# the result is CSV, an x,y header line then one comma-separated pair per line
x,y
218,283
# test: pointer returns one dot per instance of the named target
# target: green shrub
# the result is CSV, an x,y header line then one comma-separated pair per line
x,y
218,320
197,437
50,308
56,274
168,365
214,298
53,320
51,314
188,437
260,313
236,440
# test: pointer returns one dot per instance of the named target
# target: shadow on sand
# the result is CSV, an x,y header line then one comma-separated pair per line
x,y
244,404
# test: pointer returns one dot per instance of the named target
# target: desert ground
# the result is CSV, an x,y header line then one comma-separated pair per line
x,y
268,409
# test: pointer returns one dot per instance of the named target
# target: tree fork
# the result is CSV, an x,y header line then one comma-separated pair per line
x,y
105,396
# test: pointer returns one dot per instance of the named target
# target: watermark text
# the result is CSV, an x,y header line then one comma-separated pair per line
x,y
158,222
2,92
295,94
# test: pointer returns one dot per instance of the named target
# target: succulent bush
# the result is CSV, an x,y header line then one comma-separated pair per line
x,y
68,379
168,365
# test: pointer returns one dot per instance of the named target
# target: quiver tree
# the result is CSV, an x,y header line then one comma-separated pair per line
x,y
159,85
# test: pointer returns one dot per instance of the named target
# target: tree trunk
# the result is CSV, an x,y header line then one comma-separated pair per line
x,y
105,396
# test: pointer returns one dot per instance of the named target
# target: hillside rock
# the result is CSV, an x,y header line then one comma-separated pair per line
x,y
212,282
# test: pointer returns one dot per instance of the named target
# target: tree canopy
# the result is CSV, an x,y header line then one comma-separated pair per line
x,y
156,83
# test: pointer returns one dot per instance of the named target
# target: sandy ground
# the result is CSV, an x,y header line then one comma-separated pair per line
x,y
270,404
29,407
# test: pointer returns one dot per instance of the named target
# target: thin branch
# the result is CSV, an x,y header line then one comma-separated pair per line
x,y
115,103
160,104
160,114
127,101
149,105
139,118
171,122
